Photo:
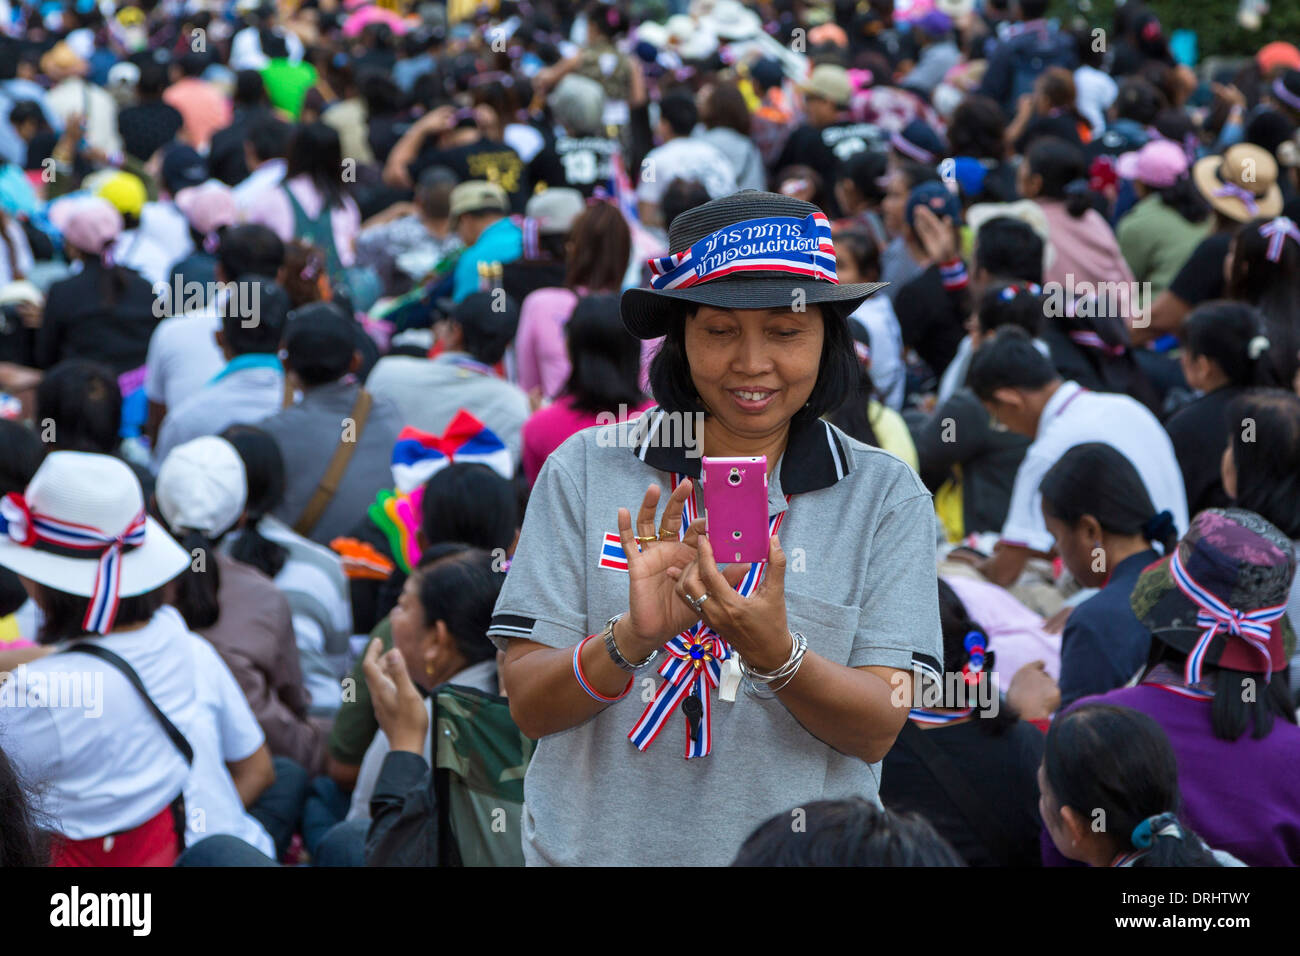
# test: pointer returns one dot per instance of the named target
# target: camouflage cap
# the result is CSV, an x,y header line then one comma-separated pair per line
x,y
1242,560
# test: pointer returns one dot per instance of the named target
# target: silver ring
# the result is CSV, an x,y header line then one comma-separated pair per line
x,y
698,603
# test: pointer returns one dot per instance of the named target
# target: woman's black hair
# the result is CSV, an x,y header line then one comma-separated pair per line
x,y
861,248
958,627
458,585
865,169
1264,434
849,832
1223,331
1274,289
838,373
82,402
264,471
1119,761
1185,199
1139,100
64,613
471,503
978,128
197,588
1011,303
22,456
605,359
22,841
1097,479
1064,172
316,152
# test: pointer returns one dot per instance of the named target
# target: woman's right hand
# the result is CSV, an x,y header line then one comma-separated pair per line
x,y
655,613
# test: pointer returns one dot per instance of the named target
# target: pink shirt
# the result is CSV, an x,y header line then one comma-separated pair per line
x,y
272,210
203,108
1016,634
547,429
541,355
1085,248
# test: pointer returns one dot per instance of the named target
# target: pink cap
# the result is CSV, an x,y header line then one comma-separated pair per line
x,y
207,207
1159,163
88,223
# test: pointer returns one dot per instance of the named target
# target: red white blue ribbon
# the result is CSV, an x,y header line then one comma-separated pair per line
x,y
693,662
772,244
1277,232
1215,616
30,529
935,718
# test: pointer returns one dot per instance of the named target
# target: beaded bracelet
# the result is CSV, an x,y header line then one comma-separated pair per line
x,y
582,678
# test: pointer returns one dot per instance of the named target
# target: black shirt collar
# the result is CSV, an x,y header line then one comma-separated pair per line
x,y
815,455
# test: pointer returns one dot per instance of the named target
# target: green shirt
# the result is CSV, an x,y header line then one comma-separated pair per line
x,y
1156,241
287,84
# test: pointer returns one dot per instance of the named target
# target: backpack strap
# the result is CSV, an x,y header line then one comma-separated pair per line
x,y
320,231
329,483
108,657
958,789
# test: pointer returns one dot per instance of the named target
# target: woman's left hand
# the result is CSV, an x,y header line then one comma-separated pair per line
x,y
754,626
399,708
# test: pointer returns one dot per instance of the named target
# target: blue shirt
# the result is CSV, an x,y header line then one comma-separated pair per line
x,y
500,242
1104,644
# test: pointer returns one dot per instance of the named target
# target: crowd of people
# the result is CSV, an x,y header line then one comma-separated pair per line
x,y
359,364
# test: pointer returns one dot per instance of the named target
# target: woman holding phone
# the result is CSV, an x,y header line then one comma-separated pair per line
x,y
627,648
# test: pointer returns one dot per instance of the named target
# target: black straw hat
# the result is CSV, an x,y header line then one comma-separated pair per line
x,y
776,246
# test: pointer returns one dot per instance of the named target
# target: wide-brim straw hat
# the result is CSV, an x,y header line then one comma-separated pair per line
x,y
751,278
1241,184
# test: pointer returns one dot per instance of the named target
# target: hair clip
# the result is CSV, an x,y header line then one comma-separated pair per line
x,y
974,644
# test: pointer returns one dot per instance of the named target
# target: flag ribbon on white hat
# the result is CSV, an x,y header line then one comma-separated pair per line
x,y
33,530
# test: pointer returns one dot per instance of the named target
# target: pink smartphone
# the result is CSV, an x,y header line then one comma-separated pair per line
x,y
735,508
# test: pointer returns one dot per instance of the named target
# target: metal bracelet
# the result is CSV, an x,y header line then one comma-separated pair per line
x,y
616,656
784,674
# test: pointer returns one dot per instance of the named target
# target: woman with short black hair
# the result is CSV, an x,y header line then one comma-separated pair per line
x,y
756,348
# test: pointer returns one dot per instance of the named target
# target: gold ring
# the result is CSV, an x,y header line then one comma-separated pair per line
x,y
646,539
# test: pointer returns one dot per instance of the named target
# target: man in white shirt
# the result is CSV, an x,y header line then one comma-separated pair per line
x,y
429,392
183,354
264,153
1022,391
680,157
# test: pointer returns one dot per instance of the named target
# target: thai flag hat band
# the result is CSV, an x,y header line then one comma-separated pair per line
x,y
749,250
80,528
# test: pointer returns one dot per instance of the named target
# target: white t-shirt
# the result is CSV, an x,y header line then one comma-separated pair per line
x,y
97,760
685,158
249,191
246,48
888,372
1073,416
182,357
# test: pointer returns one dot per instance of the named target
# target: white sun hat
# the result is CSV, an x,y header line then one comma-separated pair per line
x,y
732,20
202,486
80,528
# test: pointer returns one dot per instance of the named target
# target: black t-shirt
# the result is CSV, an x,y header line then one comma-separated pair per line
x,y
825,149
1199,432
80,322
585,161
495,162
1000,772
931,319
1201,277
147,127
226,157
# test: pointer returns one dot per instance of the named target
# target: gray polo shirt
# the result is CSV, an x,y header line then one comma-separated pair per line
x,y
308,434
859,539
